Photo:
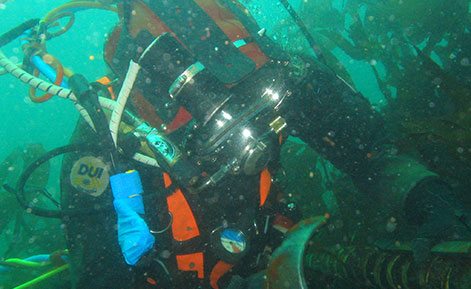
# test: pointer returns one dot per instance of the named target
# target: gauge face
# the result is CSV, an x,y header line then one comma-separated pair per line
x,y
233,241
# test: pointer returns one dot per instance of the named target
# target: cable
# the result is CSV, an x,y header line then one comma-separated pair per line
x,y
57,81
122,99
125,91
303,29
47,87
75,4
34,81
19,191
43,277
312,43
16,32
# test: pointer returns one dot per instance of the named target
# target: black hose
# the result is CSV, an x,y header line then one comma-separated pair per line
x,y
16,32
87,96
19,191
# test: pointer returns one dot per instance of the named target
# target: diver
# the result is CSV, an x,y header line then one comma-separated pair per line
x,y
218,99
228,97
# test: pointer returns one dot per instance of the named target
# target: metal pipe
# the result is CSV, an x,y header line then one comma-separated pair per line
x,y
372,267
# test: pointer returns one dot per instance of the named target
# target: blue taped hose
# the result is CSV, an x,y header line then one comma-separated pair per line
x,y
38,258
39,63
46,70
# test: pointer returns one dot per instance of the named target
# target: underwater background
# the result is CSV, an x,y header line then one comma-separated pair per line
x,y
374,45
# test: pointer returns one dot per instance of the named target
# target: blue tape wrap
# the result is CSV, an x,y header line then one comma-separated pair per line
x,y
128,184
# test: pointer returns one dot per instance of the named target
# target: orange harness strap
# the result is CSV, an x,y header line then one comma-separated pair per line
x,y
219,269
106,81
184,225
191,262
265,184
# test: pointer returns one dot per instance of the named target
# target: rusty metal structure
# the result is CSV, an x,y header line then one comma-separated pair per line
x,y
365,266
286,269
371,267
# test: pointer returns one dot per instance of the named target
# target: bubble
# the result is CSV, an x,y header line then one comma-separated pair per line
x,y
373,62
391,225
437,81
464,61
165,254
431,104
460,150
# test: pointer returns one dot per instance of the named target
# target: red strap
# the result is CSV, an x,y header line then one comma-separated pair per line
x,y
219,269
180,119
191,262
233,28
145,109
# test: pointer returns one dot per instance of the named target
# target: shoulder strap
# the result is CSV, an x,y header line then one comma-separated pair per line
x,y
214,50
270,48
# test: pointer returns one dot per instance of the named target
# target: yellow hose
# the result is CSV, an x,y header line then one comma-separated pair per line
x,y
76,4
43,277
